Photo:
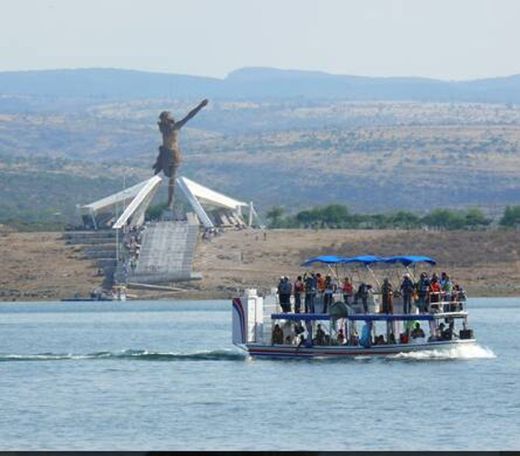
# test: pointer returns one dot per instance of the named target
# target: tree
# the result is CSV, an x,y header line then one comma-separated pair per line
x,y
511,217
275,215
475,218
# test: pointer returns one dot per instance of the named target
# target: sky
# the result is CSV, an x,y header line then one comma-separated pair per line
x,y
444,39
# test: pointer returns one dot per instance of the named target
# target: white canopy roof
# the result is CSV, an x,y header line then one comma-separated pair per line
x,y
209,197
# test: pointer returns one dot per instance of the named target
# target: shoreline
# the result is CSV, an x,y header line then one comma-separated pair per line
x,y
40,267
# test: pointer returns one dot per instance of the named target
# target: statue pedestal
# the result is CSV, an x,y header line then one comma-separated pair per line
x,y
173,215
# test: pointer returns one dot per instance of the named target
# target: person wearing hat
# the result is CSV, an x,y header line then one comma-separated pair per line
x,y
407,287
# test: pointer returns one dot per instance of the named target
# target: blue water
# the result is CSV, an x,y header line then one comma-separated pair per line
x,y
164,375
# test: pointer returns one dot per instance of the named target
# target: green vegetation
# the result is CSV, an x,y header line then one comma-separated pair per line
x,y
338,216
511,217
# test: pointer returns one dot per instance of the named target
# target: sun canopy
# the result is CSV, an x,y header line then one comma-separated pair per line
x,y
325,259
363,259
367,260
407,260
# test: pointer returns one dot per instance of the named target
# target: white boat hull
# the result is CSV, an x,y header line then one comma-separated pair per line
x,y
342,351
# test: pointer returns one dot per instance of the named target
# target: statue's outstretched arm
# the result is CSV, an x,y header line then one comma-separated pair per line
x,y
192,113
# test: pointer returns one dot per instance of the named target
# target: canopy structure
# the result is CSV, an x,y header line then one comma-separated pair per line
x,y
324,259
407,260
210,205
368,260
134,213
137,197
363,259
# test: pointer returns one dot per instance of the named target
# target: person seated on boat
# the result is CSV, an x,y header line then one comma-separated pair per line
x,y
299,329
403,338
277,336
440,332
354,338
417,331
423,286
387,293
448,333
301,341
347,289
330,288
310,291
379,340
341,337
407,288
288,340
320,336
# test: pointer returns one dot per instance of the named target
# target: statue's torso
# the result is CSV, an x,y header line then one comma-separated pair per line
x,y
170,134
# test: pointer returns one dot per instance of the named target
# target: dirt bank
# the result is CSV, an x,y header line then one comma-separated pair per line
x,y
39,266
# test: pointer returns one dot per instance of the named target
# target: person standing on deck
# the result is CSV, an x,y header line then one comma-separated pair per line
x,y
299,288
387,293
423,286
407,288
347,289
310,293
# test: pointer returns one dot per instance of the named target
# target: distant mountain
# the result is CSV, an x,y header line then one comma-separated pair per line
x,y
253,83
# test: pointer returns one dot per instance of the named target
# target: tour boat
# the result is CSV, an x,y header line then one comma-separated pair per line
x,y
260,328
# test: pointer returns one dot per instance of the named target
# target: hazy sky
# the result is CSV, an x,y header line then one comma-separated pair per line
x,y
447,39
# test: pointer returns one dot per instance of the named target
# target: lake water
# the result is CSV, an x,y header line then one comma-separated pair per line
x,y
164,375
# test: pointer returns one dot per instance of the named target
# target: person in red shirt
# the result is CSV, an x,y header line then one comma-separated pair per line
x,y
299,288
435,290
348,290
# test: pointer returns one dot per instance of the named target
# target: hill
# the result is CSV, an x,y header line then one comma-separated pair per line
x,y
72,136
253,84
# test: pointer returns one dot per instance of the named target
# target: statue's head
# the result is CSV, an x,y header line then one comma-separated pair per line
x,y
166,116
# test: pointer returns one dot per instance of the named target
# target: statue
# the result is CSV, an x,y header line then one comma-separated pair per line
x,y
169,157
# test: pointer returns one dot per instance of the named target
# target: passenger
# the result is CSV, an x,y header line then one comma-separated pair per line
x,y
459,296
284,293
310,292
407,288
446,287
387,293
288,340
435,290
417,331
354,338
391,338
320,283
362,293
277,336
423,286
379,340
341,337
281,297
440,332
299,329
301,341
320,336
299,289
329,293
347,289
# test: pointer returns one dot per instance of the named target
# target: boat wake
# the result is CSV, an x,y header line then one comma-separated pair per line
x,y
470,351
138,355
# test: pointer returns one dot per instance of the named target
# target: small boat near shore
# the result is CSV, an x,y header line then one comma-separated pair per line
x,y
264,328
